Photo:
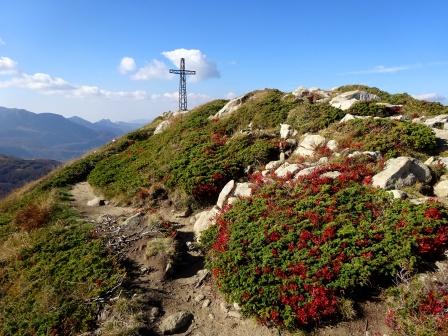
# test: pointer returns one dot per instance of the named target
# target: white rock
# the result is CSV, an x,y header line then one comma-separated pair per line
x,y
273,165
372,155
230,107
225,193
305,152
162,126
176,322
347,117
331,174
287,169
430,161
441,133
206,303
401,171
232,200
205,219
398,194
398,117
323,160
306,171
441,189
332,145
96,202
418,201
312,141
134,219
285,131
243,190
437,121
346,100
199,297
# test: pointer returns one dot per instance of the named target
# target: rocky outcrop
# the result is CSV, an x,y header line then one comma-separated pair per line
x,y
204,220
175,323
398,194
162,126
286,131
243,190
225,193
287,169
400,172
314,95
346,100
309,143
441,189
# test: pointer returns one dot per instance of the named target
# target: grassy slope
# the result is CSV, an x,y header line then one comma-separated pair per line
x,y
50,264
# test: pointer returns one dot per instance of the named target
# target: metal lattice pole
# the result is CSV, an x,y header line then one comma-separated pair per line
x,y
182,84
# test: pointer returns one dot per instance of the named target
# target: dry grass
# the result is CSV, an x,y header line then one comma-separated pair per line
x,y
36,214
10,248
126,318
161,246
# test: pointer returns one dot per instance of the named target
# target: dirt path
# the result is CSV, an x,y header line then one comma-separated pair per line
x,y
179,291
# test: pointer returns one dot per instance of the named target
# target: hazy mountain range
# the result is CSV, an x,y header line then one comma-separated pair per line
x,y
29,135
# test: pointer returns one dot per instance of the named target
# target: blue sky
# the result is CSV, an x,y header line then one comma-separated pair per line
x,y
64,56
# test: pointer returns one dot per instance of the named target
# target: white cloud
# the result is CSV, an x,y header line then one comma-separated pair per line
x,y
127,64
230,95
381,69
7,66
431,97
153,70
194,60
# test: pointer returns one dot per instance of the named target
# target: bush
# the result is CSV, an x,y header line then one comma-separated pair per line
x,y
313,117
290,252
391,138
372,109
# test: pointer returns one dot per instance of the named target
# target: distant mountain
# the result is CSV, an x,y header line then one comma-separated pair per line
x,y
51,136
16,172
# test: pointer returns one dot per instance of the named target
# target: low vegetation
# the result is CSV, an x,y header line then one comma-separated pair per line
x,y
389,137
313,117
301,247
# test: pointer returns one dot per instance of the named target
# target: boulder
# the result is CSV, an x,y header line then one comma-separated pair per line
x,y
332,145
402,171
162,126
437,121
273,165
231,106
175,323
370,154
225,193
97,201
331,174
306,171
346,100
309,143
287,169
243,190
204,220
441,189
398,194
285,131
441,133
134,219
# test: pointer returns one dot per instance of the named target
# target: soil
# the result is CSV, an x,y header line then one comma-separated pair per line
x,y
177,289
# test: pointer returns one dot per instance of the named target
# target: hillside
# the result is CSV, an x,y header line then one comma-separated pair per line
x,y
46,135
319,212
14,172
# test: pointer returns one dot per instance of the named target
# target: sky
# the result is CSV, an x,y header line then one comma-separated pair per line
x,y
111,58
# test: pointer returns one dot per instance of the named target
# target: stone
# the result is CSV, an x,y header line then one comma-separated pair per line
x,y
371,154
323,160
398,194
282,156
243,190
332,145
225,193
430,161
273,165
398,117
236,306
285,131
224,307
232,106
346,100
441,133
305,152
97,201
437,121
418,201
205,219
287,169
162,126
153,313
402,171
441,189
176,322
347,117
312,141
331,174
206,303
306,171
231,200
134,219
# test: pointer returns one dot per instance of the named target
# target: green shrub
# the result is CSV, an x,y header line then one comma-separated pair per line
x,y
313,117
291,251
391,138
372,109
